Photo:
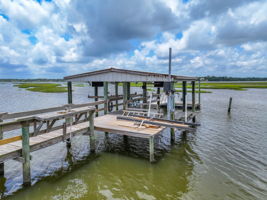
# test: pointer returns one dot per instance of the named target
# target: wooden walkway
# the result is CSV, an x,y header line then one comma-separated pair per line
x,y
13,149
106,123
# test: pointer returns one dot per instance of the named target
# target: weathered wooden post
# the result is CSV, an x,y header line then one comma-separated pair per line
x,y
144,87
106,103
193,96
128,90
185,100
92,133
151,149
106,97
170,100
2,168
26,154
172,115
69,120
117,94
125,95
230,105
158,98
96,99
199,93
69,92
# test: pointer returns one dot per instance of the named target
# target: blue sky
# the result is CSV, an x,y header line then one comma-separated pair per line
x,y
55,38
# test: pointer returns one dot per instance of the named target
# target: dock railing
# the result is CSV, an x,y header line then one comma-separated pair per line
x,y
35,135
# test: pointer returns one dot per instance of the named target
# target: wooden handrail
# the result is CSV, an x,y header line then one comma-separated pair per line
x,y
53,109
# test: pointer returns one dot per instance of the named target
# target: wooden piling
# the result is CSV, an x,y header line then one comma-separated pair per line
x,y
144,87
117,94
172,130
69,92
199,92
184,95
68,122
193,96
96,99
69,102
128,90
158,98
125,96
2,168
172,113
106,97
185,100
151,149
92,133
106,102
26,154
230,105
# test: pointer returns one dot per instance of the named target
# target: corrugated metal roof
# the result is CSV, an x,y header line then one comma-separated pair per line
x,y
130,72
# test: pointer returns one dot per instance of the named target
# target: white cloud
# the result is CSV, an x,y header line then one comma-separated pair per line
x,y
219,37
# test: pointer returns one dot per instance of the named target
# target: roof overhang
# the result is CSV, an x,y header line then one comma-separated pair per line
x,y
123,75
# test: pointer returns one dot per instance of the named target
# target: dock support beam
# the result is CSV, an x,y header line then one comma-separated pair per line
x,y
199,93
128,90
144,87
125,95
151,149
158,98
92,133
96,99
2,167
69,102
69,92
172,111
106,103
193,96
26,154
106,97
184,101
117,94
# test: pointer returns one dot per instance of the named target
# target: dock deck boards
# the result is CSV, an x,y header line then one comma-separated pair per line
x,y
109,123
106,123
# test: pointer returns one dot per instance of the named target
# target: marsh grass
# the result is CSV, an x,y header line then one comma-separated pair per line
x,y
79,85
58,88
42,87
228,85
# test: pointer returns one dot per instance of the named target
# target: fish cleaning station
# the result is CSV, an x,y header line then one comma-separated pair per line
x,y
127,114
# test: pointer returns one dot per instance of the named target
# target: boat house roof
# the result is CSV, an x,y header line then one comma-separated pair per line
x,y
123,75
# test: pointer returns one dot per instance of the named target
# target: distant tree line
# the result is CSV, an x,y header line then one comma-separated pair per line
x,y
226,78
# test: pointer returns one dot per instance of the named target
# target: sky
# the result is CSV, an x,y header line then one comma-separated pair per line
x,y
55,38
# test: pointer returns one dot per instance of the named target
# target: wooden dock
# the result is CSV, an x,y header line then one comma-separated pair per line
x,y
46,127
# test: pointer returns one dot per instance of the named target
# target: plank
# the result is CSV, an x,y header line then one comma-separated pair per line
x,y
9,140
169,124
